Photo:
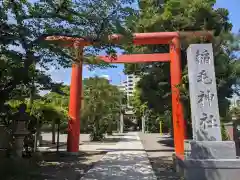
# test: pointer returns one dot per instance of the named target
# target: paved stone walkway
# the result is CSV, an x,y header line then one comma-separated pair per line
x,y
85,143
127,160
160,150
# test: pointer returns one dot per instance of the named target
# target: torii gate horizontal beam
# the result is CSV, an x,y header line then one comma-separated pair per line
x,y
137,58
137,38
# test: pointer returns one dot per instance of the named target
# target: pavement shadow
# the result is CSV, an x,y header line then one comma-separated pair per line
x,y
122,167
169,142
149,150
48,166
62,166
110,140
163,168
119,139
52,145
126,134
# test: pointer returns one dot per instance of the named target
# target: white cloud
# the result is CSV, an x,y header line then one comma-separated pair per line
x,y
106,77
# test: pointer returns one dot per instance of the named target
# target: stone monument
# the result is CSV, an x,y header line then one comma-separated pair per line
x,y
203,93
207,157
21,119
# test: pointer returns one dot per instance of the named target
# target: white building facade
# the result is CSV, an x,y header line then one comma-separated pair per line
x,y
130,84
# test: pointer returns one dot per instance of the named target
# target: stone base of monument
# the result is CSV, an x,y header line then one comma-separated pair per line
x,y
208,160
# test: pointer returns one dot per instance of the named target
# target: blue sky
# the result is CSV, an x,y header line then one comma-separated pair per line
x,y
64,75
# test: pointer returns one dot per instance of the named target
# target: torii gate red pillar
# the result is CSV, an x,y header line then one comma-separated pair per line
x,y
75,102
177,109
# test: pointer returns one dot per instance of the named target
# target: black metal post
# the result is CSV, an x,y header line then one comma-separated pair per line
x,y
58,131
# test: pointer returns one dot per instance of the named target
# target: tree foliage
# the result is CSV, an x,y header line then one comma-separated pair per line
x,y
101,107
26,56
25,25
184,15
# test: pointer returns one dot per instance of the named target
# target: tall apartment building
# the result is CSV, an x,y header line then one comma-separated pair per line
x,y
128,87
130,84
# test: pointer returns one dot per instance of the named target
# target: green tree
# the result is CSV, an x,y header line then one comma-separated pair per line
x,y
25,26
25,56
235,112
53,108
183,15
101,107
58,97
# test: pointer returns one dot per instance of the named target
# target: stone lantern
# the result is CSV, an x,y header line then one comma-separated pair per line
x,y
21,119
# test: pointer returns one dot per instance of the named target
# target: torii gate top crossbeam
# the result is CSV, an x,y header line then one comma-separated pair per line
x,y
137,39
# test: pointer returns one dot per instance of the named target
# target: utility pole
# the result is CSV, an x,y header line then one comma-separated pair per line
x,y
143,123
121,123
160,128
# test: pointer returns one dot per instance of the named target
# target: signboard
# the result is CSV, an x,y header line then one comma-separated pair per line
x,y
203,93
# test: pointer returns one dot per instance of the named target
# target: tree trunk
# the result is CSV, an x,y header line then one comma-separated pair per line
x,y
53,132
32,88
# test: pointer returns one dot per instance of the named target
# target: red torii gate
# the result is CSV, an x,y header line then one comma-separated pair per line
x,y
174,57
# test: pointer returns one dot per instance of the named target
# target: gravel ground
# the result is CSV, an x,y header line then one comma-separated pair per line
x,y
64,167
59,166
160,150
49,166
52,165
